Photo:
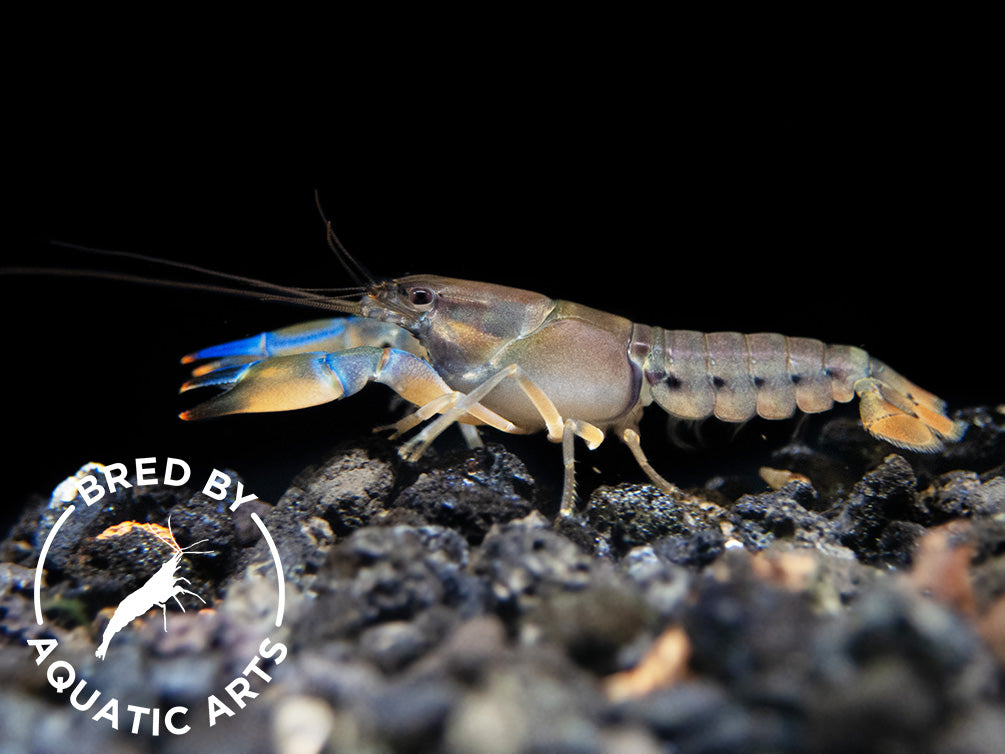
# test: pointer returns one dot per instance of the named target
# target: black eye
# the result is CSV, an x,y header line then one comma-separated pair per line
x,y
420,296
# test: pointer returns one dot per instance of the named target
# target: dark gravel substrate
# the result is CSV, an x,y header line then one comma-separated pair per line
x,y
854,604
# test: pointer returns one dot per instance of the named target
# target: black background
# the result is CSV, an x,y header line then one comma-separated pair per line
x,y
854,214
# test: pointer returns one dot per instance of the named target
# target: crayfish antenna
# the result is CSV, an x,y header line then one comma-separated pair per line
x,y
360,274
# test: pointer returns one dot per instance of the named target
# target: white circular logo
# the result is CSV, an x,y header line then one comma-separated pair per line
x,y
85,488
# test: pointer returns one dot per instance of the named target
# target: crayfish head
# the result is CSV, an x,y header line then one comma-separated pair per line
x,y
460,322
401,303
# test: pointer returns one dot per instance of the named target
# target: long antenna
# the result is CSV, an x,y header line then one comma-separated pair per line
x,y
295,297
341,252
255,282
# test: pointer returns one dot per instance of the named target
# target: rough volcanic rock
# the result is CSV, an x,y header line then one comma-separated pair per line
x,y
855,603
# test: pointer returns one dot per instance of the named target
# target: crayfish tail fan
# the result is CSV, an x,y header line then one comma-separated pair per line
x,y
898,411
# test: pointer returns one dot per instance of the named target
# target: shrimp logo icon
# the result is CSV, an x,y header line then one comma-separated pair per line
x,y
156,590
147,588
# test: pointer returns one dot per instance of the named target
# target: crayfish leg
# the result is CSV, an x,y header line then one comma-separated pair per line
x,y
593,436
631,438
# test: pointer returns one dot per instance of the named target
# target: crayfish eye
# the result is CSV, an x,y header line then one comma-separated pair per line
x,y
421,298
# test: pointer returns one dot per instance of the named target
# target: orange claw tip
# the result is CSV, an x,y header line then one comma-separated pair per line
x,y
186,416
205,369
189,358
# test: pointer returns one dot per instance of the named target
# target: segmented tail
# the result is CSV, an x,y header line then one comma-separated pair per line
x,y
896,410
731,376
